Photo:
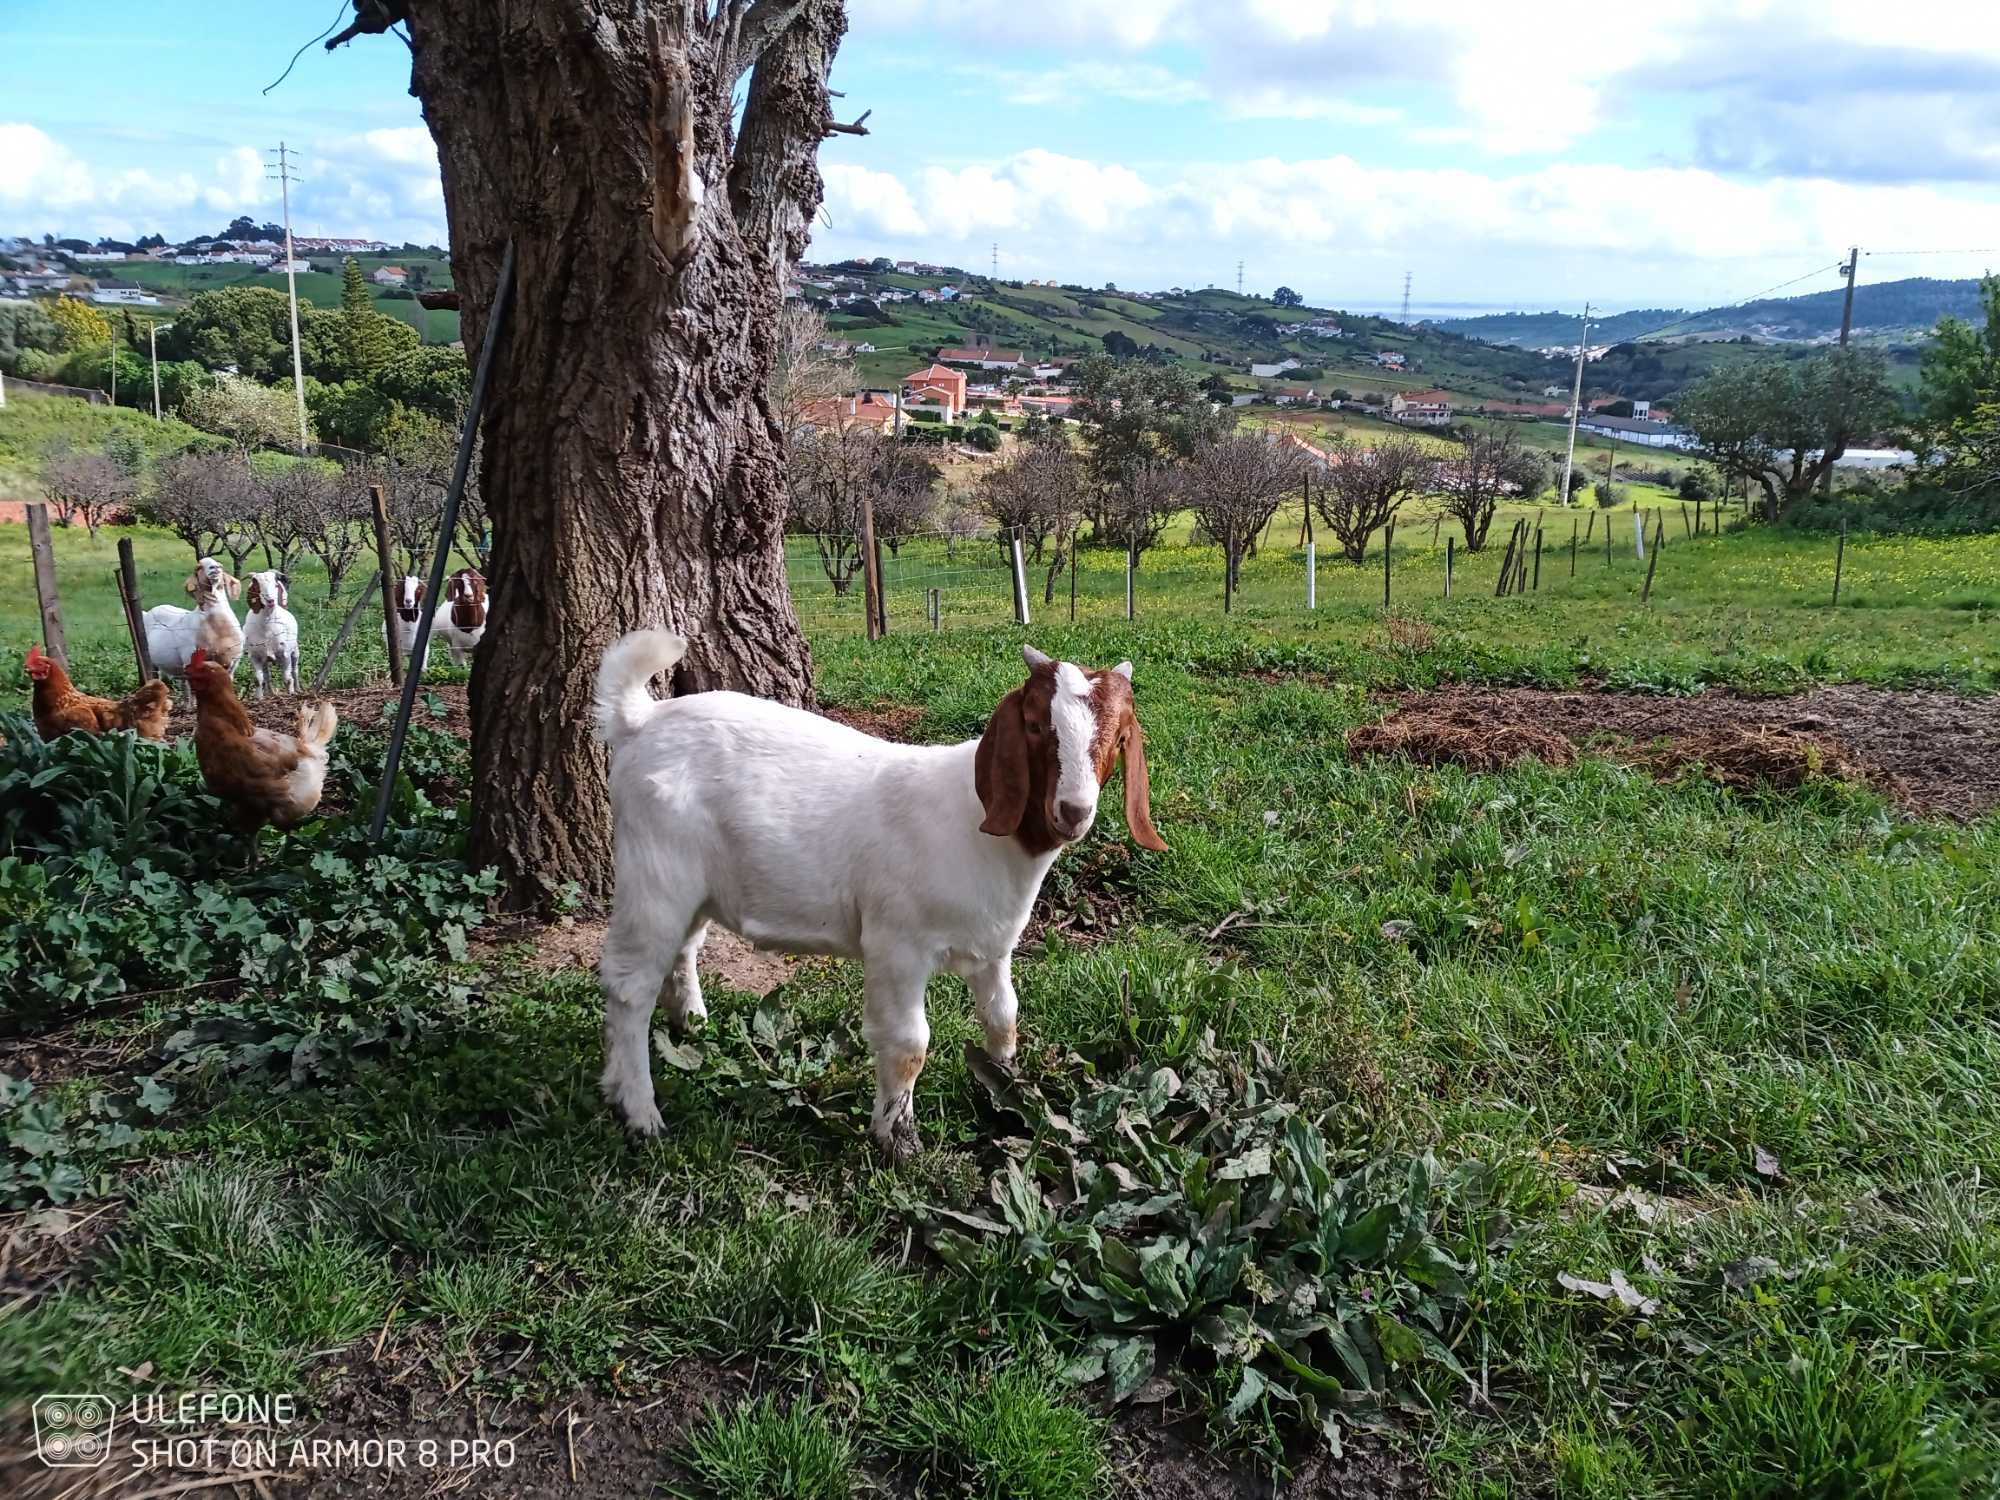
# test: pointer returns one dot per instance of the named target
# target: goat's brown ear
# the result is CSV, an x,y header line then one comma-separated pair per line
x,y
234,584
1000,769
1139,790
189,585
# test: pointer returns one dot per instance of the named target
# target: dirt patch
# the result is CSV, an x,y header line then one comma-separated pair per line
x,y
887,721
1444,738
360,708
1166,1461
1937,754
574,944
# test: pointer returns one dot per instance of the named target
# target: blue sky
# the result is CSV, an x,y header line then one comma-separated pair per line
x,y
1528,155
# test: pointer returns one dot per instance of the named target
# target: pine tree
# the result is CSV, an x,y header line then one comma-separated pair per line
x,y
366,346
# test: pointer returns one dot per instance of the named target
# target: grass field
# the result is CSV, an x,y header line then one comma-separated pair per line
x,y
1707,1078
321,289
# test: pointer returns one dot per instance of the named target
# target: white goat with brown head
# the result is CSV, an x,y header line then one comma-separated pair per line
x,y
809,837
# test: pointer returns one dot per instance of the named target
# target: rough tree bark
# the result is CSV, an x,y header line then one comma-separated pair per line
x,y
631,464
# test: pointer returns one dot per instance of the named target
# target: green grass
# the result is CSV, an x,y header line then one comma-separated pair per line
x,y
1738,1049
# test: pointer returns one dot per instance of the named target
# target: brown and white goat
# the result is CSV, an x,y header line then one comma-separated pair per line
x,y
807,836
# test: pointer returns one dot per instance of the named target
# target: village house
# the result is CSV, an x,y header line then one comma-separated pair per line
x,y
40,281
985,357
296,267
1421,408
124,294
939,389
97,257
1048,406
389,276
1295,395
870,409
1265,372
1389,359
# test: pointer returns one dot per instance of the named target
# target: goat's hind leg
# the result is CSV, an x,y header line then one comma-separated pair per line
x,y
899,1034
639,951
683,991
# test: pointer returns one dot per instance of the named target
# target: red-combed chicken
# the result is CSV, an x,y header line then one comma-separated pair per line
x,y
60,709
264,776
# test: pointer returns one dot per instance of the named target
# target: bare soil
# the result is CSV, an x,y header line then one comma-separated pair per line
x,y
574,943
1936,754
366,707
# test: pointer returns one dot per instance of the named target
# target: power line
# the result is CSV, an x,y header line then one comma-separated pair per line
x,y
1975,250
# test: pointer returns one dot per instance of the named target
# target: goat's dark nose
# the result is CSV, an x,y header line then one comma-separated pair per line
x,y
1072,814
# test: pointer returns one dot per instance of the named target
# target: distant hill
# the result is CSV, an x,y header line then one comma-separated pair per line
x,y
1892,311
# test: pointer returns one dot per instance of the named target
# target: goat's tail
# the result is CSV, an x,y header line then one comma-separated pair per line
x,y
317,724
624,706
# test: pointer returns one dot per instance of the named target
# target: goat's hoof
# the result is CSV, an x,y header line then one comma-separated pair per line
x,y
645,1125
902,1142
691,1019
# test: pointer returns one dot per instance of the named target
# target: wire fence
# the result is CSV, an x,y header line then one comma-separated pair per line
x,y
1634,555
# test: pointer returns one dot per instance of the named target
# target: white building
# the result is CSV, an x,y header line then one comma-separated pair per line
x,y
1265,372
98,257
124,293
297,267
1647,434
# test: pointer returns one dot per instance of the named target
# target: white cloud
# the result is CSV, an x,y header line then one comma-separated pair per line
x,y
1521,234
41,178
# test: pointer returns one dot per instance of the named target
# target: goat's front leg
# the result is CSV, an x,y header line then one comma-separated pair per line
x,y
292,674
899,1035
993,998
258,667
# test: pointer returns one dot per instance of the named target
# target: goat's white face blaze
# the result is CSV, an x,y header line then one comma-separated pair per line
x,y
1073,717
409,598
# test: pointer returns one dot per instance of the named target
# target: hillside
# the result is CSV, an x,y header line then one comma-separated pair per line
x,y
1217,333
1888,312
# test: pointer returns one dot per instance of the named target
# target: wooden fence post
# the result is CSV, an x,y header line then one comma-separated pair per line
x,y
1646,592
1684,520
1450,546
1506,562
1590,527
378,501
1073,551
42,545
1572,546
135,618
1839,561
1538,559
1131,568
1388,548
871,570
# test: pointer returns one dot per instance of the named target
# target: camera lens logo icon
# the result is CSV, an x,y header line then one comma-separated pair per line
x,y
73,1432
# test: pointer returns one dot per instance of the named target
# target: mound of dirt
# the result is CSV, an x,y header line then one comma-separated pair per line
x,y
1436,738
1937,754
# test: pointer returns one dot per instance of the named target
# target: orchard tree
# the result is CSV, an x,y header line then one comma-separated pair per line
x,y
1236,484
1784,423
1040,489
806,374
1493,467
89,487
654,165
248,414
1363,489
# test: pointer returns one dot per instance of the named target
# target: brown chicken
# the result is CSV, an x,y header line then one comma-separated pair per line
x,y
264,776
61,709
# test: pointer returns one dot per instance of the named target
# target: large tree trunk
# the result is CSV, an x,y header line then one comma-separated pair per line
x,y
631,467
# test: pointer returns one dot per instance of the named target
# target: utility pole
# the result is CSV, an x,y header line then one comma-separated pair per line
x,y
1239,278
283,172
996,262
1406,296
1834,434
1575,400
153,348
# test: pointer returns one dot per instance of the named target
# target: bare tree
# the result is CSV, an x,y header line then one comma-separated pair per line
x,y
1134,510
1362,489
208,501
654,166
903,490
1042,489
343,529
88,487
807,373
299,501
1235,486
833,470
1470,487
